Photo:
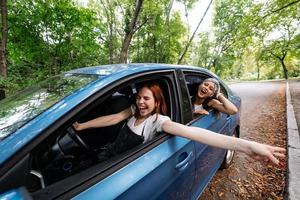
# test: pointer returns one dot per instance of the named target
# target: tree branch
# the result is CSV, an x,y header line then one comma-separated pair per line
x,y
281,8
191,39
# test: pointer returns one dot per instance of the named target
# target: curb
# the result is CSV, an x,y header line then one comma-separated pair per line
x,y
293,148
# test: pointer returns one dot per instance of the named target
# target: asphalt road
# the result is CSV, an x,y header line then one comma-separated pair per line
x,y
262,120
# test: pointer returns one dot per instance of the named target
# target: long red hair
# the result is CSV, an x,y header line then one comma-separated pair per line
x,y
161,106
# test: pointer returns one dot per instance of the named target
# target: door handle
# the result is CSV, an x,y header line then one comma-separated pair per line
x,y
185,162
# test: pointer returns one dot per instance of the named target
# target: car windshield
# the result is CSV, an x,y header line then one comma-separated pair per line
x,y
18,109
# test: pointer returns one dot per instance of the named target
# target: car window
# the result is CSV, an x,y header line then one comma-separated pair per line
x,y
70,152
62,157
193,80
33,101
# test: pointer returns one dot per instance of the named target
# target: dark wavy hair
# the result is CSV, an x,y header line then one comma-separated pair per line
x,y
208,99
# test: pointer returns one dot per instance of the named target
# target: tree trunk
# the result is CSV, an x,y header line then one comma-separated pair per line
x,y
285,71
258,73
194,33
281,60
109,11
111,43
138,49
4,31
129,33
168,11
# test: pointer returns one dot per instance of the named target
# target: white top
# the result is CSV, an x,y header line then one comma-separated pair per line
x,y
198,107
151,125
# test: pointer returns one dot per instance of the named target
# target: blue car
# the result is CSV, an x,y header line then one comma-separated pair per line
x,y
42,156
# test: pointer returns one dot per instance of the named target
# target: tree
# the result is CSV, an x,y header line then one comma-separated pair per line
x,y
130,29
229,34
193,35
108,13
50,36
280,19
4,33
201,51
161,39
279,50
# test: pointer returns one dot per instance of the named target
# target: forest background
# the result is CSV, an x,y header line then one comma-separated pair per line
x,y
248,40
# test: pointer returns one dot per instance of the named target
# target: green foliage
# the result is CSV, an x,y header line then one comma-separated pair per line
x,y
203,50
159,40
3,82
239,26
47,37
50,36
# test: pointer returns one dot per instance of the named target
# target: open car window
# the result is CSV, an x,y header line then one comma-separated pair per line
x,y
193,80
67,154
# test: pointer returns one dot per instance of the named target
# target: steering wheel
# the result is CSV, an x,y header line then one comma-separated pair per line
x,y
87,150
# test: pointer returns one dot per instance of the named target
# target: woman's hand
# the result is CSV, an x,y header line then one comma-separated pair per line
x,y
201,112
77,126
266,153
218,93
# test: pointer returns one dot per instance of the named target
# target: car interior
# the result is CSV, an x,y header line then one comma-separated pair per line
x,y
193,83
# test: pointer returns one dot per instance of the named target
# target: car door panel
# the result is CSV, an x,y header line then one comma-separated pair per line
x,y
208,159
155,175
165,172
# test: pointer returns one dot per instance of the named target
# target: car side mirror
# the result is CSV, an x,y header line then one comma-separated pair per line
x,y
19,193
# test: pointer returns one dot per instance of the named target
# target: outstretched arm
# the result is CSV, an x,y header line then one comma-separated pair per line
x,y
103,121
255,150
223,105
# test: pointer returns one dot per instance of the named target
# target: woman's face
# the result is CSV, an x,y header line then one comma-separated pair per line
x,y
206,89
145,102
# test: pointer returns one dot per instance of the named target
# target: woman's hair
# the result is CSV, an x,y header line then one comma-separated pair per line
x,y
208,99
216,85
159,98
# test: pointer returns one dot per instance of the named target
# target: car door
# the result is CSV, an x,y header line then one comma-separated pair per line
x,y
208,159
163,169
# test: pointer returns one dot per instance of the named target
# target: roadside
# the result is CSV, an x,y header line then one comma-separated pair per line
x,y
294,86
293,124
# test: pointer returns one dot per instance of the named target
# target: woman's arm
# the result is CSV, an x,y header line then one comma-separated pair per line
x,y
253,149
223,105
107,120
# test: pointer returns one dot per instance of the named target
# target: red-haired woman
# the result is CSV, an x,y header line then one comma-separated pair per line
x,y
148,116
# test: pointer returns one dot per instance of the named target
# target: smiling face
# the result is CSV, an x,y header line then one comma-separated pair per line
x,y
206,89
145,102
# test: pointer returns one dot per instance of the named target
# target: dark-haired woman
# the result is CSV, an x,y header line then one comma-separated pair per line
x,y
209,96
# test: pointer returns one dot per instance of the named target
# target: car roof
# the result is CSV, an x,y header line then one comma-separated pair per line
x,y
104,70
